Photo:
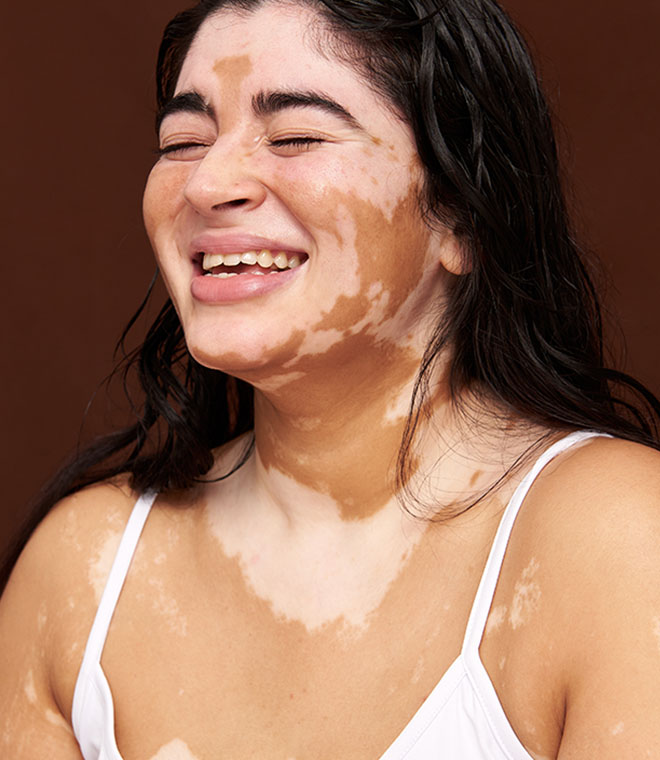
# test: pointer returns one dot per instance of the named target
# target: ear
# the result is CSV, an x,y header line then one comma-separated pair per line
x,y
452,254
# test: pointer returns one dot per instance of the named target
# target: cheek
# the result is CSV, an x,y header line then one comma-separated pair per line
x,y
163,195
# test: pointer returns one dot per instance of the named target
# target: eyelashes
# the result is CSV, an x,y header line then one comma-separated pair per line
x,y
295,142
182,147
287,146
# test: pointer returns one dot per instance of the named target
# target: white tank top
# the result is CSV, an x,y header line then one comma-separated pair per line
x,y
461,719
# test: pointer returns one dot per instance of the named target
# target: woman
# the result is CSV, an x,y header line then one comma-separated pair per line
x,y
357,213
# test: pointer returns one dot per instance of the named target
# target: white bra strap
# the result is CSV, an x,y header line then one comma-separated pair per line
x,y
117,576
484,597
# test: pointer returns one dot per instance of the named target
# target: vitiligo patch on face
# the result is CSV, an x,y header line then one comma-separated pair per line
x,y
526,597
346,339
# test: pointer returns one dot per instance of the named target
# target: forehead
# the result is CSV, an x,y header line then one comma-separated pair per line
x,y
277,45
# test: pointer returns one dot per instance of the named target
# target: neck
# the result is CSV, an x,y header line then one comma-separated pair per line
x,y
338,438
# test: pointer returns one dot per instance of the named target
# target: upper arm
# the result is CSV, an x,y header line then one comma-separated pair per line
x,y
31,723
612,642
45,615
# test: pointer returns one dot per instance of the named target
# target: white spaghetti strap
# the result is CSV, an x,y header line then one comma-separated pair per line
x,y
117,576
92,712
486,591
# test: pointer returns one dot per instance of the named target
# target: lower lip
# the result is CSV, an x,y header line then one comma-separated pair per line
x,y
208,289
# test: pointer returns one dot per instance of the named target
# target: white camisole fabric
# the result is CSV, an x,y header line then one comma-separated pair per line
x,y
462,718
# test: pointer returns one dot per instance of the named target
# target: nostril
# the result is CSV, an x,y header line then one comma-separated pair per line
x,y
231,204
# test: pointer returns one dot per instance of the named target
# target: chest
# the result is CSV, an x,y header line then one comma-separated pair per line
x,y
212,669
227,676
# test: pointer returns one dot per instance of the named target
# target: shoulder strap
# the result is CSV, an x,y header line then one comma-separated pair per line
x,y
117,576
486,591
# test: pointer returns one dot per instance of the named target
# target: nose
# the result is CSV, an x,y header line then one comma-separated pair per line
x,y
224,180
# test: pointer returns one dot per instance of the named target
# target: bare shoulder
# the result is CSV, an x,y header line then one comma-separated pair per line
x,y
604,490
594,522
45,613
74,531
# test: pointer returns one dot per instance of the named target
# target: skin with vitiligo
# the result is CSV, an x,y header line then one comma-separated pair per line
x,y
295,610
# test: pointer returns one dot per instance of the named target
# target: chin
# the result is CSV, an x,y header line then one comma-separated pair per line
x,y
250,356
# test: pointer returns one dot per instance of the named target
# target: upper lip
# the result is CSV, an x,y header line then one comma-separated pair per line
x,y
238,242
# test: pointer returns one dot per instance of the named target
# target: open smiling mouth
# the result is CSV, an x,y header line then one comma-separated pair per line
x,y
250,262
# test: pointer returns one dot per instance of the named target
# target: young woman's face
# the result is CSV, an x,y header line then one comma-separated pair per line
x,y
275,153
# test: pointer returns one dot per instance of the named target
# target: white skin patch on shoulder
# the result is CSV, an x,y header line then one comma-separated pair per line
x,y
618,729
526,597
175,750
100,564
496,618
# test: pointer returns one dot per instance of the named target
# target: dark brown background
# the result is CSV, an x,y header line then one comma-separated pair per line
x,y
76,148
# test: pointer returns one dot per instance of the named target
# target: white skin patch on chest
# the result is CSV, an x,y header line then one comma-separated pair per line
x,y
526,597
618,729
496,618
175,750
30,689
57,720
168,607
335,585
100,564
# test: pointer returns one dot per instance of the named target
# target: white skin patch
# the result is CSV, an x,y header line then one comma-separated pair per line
x,y
496,618
275,382
167,607
30,689
618,729
42,618
526,597
175,750
57,720
656,629
100,564
330,590
419,670
70,530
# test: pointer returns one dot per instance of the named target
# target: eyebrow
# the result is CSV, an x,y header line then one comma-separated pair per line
x,y
263,104
189,102
268,103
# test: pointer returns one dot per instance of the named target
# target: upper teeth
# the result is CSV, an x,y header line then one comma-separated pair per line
x,y
263,258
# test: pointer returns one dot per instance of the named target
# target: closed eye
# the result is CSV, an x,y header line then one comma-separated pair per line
x,y
294,144
180,148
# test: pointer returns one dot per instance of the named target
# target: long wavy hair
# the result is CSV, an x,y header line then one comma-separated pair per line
x,y
524,325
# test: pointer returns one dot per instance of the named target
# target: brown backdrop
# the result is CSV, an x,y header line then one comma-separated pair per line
x,y
76,148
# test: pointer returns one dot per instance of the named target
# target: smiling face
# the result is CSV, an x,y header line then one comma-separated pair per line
x,y
284,210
